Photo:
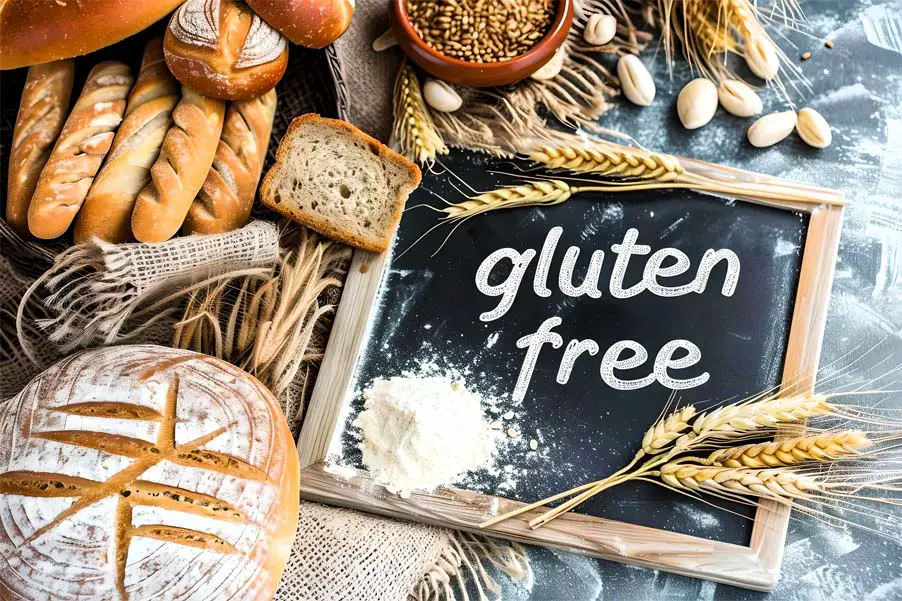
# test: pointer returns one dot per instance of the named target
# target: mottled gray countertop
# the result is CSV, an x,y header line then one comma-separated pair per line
x,y
857,86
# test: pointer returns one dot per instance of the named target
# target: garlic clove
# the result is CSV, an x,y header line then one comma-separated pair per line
x,y
385,41
635,80
550,69
772,128
600,29
739,99
813,128
697,103
441,96
761,57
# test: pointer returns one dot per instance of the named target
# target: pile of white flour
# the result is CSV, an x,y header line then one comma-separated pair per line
x,y
420,433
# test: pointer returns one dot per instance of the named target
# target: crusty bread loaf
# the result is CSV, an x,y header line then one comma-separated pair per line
x,y
40,31
107,210
179,172
222,49
226,199
310,23
334,178
84,142
143,472
42,112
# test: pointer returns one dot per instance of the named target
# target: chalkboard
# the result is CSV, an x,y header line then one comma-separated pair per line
x,y
426,313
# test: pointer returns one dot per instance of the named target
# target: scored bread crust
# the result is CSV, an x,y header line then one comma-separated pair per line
x,y
80,150
224,50
316,221
107,210
143,472
225,201
181,168
42,113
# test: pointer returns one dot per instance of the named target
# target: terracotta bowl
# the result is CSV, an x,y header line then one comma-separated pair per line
x,y
480,75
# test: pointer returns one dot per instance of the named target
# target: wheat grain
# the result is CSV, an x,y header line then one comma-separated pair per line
x,y
610,160
545,192
660,436
828,446
767,483
733,420
414,130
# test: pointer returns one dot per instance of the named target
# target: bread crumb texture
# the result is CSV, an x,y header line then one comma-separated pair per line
x,y
340,182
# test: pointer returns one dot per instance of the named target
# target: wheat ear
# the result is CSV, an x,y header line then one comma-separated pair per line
x,y
829,446
544,192
611,160
726,481
414,130
730,421
661,436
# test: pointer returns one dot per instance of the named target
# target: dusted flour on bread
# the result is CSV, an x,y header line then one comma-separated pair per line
x,y
139,472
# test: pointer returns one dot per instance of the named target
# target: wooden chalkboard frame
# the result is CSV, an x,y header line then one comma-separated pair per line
x,y
756,566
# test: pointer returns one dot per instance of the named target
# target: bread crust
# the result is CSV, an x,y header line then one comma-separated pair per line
x,y
42,113
181,168
314,220
157,436
225,201
310,23
224,50
84,142
107,210
41,31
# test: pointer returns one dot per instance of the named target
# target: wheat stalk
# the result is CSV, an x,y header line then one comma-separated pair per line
x,y
414,130
828,446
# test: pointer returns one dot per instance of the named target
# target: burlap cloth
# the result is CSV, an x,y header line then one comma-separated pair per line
x,y
134,293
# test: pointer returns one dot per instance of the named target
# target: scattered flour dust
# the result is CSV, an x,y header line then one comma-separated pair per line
x,y
418,433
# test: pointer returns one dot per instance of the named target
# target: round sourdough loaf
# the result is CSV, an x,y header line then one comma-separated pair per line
x,y
223,50
139,472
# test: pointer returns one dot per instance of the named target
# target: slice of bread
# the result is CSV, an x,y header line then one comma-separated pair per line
x,y
335,179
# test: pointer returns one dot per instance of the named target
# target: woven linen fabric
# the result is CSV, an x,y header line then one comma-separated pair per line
x,y
343,555
366,77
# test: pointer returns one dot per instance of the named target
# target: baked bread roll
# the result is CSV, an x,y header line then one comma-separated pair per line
x,y
223,50
140,472
40,31
84,142
107,211
310,23
42,112
180,170
225,201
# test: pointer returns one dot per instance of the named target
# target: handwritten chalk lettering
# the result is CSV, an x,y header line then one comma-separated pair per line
x,y
620,356
533,345
540,282
507,289
662,264
589,286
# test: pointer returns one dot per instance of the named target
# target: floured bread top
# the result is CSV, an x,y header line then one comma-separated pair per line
x,y
247,41
138,472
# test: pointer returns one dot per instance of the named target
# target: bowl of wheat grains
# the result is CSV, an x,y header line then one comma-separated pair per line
x,y
481,43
